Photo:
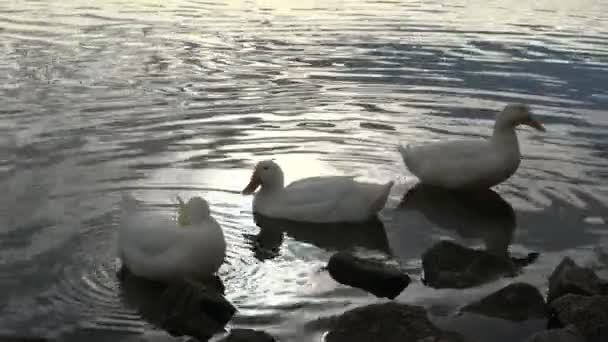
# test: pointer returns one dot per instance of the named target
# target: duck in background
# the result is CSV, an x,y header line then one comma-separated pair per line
x,y
472,164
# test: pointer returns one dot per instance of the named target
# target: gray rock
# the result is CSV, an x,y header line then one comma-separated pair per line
x,y
589,314
515,302
388,322
375,275
567,334
568,277
190,308
248,335
449,265
193,309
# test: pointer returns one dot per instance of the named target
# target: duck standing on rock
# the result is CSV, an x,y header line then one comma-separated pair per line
x,y
472,164
326,199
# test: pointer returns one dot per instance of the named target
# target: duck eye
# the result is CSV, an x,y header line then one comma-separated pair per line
x,y
265,168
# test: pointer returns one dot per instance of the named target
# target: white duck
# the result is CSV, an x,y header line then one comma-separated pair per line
x,y
156,247
472,164
327,199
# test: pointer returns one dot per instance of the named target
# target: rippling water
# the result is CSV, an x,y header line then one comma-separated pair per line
x,y
183,97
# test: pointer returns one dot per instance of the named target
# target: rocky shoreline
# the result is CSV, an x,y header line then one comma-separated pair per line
x,y
575,308
576,305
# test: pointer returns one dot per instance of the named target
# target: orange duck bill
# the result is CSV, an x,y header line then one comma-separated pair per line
x,y
535,124
254,183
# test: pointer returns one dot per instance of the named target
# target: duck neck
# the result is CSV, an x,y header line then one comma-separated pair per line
x,y
505,136
274,184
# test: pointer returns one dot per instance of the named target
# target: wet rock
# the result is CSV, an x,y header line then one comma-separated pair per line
x,y
568,277
190,308
589,314
194,309
567,334
449,265
380,276
248,335
388,322
515,302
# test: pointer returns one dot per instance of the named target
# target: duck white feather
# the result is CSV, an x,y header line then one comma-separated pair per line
x,y
472,163
316,199
156,247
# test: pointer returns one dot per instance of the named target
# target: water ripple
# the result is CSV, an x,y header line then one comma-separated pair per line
x,y
182,97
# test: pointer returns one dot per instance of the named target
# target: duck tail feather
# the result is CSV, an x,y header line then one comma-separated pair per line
x,y
382,197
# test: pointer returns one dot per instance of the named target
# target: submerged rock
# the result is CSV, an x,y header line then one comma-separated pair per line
x,y
589,314
194,309
449,265
515,302
567,334
181,308
568,277
248,335
375,275
388,322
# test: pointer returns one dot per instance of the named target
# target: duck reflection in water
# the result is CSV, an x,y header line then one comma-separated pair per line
x,y
328,236
479,215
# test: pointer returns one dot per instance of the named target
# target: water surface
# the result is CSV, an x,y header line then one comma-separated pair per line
x,y
177,97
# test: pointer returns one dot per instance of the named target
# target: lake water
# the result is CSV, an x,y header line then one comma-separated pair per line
x,y
177,97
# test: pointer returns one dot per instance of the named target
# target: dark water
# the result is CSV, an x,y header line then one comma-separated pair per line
x,y
182,97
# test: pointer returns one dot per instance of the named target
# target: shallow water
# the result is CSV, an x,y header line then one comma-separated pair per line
x,y
176,97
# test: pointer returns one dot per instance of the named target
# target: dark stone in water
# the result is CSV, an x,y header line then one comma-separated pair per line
x,y
589,314
567,334
387,322
449,265
515,302
568,277
194,309
190,308
248,335
372,274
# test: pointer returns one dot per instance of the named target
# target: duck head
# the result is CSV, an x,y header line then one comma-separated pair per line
x,y
516,114
195,210
266,174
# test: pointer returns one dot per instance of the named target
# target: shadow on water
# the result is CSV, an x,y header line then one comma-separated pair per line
x,y
564,222
471,216
481,215
328,236
142,296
